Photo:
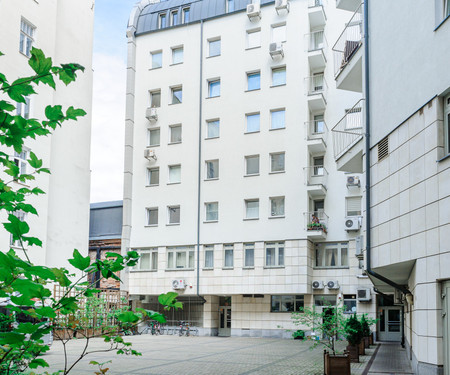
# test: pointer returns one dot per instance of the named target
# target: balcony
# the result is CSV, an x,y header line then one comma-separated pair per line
x,y
348,139
316,181
317,47
348,54
349,5
316,13
316,136
316,224
317,88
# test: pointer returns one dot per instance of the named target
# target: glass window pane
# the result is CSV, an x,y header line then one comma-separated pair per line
x,y
154,264
281,256
144,261
156,60
175,134
270,256
153,176
212,211
177,55
181,259
213,129
279,33
253,123
154,137
252,209
191,259
252,164
174,173
320,257
186,14
230,6
344,257
174,18
331,257
253,39
276,301
214,89
155,99
153,216
277,162
277,206
177,96
170,263
209,259
319,124
174,215
162,21
212,169
249,260
214,48
278,119
278,76
229,257
253,81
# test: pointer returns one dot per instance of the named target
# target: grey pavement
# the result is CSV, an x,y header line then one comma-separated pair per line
x,y
390,359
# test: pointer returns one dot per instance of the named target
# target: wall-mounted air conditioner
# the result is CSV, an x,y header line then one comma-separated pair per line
x,y
317,284
253,11
151,114
363,294
276,49
352,223
150,154
281,5
353,181
178,284
333,284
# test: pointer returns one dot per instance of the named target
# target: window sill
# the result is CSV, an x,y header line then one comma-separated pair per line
x,y
273,267
256,131
277,217
151,146
174,143
210,221
178,269
174,183
259,89
250,218
151,226
331,268
172,224
443,158
228,268
28,57
159,67
210,57
280,85
211,179
250,48
277,172
175,103
176,63
248,268
153,185
251,175
212,97
442,22
139,271
273,129
211,138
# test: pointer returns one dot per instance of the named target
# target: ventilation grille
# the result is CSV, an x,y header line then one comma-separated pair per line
x,y
383,148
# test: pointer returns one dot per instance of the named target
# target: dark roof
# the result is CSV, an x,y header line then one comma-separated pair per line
x,y
105,220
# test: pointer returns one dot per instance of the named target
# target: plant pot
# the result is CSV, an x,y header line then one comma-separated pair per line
x,y
371,339
336,364
353,353
367,342
362,347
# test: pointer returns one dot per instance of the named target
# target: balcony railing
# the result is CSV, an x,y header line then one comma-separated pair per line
x,y
349,130
316,221
316,129
316,84
315,3
349,41
317,41
316,175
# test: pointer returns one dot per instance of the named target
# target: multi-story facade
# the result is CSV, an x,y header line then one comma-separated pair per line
x,y
402,145
231,191
54,27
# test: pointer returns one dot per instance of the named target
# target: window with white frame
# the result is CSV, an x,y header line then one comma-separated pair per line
x,y
349,303
152,216
173,213
214,88
22,216
214,47
212,211
162,21
212,169
287,303
27,31
318,169
209,256
153,176
252,208
229,6
148,260
174,174
276,206
23,109
249,255
177,94
330,255
252,165
278,119
228,256
175,133
180,257
212,129
156,59
252,122
174,18
155,99
153,137
446,8
253,81
277,161
20,160
319,124
353,206
278,33
253,38
177,55
274,254
279,76
447,123
186,15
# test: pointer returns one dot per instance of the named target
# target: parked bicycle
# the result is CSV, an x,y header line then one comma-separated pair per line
x,y
183,328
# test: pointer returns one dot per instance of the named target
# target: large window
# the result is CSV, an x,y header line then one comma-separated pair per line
x,y
252,208
174,174
279,33
173,213
212,211
177,95
214,88
228,256
180,257
277,162
209,256
212,169
20,160
214,47
156,60
318,166
274,254
155,99
22,216
252,165
277,206
177,55
153,176
349,303
26,37
23,109
252,122
253,81
279,76
175,133
148,260
212,128
152,216
253,38
353,206
154,137
249,255
278,118
287,303
332,254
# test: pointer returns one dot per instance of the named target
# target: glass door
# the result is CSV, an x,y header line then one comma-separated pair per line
x,y
389,324
225,321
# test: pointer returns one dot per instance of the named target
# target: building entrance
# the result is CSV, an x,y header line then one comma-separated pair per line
x,y
225,316
389,323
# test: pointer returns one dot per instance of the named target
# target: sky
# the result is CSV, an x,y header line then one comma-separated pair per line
x,y
108,112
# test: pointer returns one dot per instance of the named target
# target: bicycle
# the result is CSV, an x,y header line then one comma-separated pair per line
x,y
184,328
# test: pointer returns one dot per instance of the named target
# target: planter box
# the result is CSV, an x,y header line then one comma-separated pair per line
x,y
367,342
353,353
336,364
362,347
371,339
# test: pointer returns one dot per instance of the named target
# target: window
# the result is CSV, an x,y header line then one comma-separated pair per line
x,y
21,161
230,5
174,174
253,38
180,257
274,254
277,162
446,8
156,59
278,117
214,47
174,18
212,128
175,133
26,37
148,260
212,169
153,176
162,20
153,137
228,256
252,122
212,211
152,216
325,300
174,214
349,303
286,303
249,255
332,254
177,55
252,165
155,99
319,124
279,76
447,123
277,206
22,217
23,109
318,166
214,88
279,33
252,208
209,256
253,81
353,206
186,15
177,95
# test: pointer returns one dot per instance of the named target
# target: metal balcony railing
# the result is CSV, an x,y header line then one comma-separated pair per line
x,y
316,220
349,130
316,175
317,41
316,129
315,3
349,41
316,84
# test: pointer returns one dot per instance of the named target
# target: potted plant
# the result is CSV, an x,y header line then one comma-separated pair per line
x,y
365,325
298,335
353,334
317,226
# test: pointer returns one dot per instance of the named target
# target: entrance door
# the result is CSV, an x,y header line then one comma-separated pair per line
x,y
446,325
389,324
225,321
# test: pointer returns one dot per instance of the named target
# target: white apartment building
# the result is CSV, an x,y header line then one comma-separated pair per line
x,y
232,195
64,31
397,56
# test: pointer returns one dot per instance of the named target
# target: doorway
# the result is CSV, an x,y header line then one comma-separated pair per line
x,y
389,323
225,316
446,325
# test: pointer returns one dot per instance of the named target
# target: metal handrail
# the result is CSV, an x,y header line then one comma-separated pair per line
x,y
316,220
316,84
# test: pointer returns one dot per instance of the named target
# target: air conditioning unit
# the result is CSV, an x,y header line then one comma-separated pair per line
x,y
333,284
150,154
281,4
363,294
398,300
353,181
178,284
151,114
276,49
352,223
253,11
316,284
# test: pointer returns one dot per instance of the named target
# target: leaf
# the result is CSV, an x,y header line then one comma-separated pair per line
x,y
5,106
167,299
79,262
61,276
32,241
68,305
46,311
8,338
112,255
128,317
54,113
72,113
91,292
34,161
37,362
16,227
38,62
19,89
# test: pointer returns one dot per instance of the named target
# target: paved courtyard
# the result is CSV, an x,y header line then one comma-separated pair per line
x,y
163,355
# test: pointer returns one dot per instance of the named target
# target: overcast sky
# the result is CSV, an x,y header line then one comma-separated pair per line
x,y
107,143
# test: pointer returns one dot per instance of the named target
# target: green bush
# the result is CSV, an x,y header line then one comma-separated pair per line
x,y
353,330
